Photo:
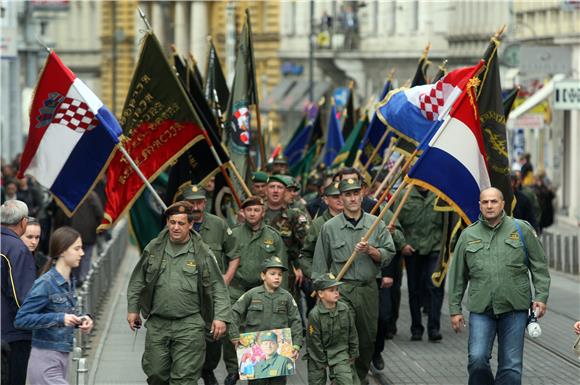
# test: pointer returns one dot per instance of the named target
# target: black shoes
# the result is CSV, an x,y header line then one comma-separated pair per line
x,y
378,362
208,377
434,337
416,337
231,379
389,336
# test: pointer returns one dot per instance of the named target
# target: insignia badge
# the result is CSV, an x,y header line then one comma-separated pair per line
x,y
181,209
515,236
229,231
277,259
190,263
194,189
474,241
268,242
273,372
311,329
336,185
350,181
242,116
289,366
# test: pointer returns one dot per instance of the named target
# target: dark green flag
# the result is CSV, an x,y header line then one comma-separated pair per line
x,y
243,95
508,101
349,118
216,89
347,153
420,77
442,71
492,119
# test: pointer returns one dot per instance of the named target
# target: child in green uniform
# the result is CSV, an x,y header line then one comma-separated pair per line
x,y
332,340
264,308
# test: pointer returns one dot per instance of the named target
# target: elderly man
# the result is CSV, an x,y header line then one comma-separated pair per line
x,y
494,256
176,279
18,274
339,237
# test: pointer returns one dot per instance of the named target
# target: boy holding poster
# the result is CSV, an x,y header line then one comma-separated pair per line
x,y
265,308
332,340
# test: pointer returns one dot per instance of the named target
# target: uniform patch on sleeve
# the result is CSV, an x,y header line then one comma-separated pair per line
x,y
515,236
229,231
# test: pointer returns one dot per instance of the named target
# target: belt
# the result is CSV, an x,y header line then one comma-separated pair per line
x,y
356,283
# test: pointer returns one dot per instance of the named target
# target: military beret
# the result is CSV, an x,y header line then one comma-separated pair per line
x,y
332,190
253,201
193,192
259,177
272,262
280,159
326,281
349,185
279,178
180,207
267,336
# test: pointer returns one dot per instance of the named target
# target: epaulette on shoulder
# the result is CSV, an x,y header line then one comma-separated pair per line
x,y
473,224
272,229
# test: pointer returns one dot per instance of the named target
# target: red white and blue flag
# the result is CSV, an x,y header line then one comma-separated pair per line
x,y
453,160
72,136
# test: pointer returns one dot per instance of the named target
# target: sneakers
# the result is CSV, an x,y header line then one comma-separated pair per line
x,y
378,362
231,379
208,377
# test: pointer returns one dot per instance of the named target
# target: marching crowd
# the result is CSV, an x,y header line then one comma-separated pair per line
x,y
286,263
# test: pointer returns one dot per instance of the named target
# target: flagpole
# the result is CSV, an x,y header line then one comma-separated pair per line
x,y
138,171
400,207
386,158
375,151
260,138
389,178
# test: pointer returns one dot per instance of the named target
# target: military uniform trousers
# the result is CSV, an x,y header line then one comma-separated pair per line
x,y
174,348
343,373
230,357
363,298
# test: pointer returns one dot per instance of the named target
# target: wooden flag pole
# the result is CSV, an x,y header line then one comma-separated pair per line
x,y
370,231
403,200
386,158
263,159
375,151
389,178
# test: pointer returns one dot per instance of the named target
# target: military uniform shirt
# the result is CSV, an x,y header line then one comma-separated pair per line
x,y
307,252
422,225
336,243
293,225
220,238
331,336
259,310
275,366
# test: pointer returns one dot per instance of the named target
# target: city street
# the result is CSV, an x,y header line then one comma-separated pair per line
x,y
549,360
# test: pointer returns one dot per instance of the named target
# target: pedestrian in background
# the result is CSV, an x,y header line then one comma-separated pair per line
x,y
494,255
18,275
50,311
31,239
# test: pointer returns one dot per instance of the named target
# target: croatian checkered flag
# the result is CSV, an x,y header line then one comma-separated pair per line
x,y
72,136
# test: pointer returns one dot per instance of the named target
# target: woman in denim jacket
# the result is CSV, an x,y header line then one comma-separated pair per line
x,y
49,311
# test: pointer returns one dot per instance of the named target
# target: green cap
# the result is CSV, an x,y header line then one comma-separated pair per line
x,y
349,185
332,190
273,262
267,336
259,177
326,281
193,192
280,179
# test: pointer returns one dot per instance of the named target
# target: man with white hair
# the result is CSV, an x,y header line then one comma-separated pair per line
x,y
18,272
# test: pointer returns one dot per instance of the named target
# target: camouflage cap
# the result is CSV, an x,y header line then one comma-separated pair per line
x,y
253,201
326,281
349,185
259,177
272,262
267,336
332,190
279,178
193,192
180,207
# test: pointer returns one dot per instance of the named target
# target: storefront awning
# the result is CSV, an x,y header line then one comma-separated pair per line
x,y
535,99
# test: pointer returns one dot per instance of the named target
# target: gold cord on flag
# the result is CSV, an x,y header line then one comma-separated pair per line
x,y
472,84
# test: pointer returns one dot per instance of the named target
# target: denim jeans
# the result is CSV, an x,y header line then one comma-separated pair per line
x,y
419,270
509,328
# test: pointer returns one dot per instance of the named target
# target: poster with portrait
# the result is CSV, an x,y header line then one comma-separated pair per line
x,y
265,354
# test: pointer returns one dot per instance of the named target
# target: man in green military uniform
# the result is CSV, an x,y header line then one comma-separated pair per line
x,y
257,242
280,165
339,237
423,227
293,225
275,364
332,341
259,183
264,308
332,199
494,256
220,238
293,198
170,285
